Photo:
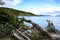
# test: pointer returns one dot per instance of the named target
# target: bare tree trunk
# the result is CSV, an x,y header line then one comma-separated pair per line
x,y
20,36
43,31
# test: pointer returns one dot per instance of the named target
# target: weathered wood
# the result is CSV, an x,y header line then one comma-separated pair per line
x,y
43,31
20,36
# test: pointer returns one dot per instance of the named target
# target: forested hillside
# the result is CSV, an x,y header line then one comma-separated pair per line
x,y
14,11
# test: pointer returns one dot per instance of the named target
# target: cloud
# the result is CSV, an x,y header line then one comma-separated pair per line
x,y
39,11
44,6
47,6
12,2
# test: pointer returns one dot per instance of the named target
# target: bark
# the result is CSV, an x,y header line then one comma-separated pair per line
x,y
43,31
20,36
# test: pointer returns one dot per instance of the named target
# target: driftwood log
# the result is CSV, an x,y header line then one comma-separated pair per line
x,y
43,31
19,35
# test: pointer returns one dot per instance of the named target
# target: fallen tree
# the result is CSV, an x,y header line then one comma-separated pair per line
x,y
36,26
43,31
19,35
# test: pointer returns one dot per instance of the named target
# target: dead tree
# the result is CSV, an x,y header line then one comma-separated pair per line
x,y
43,31
19,35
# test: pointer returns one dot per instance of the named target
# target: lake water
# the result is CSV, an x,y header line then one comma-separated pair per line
x,y
41,20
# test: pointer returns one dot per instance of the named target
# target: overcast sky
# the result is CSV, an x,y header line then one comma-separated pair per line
x,y
34,6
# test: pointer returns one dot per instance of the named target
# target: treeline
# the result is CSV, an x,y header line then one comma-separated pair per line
x,y
10,10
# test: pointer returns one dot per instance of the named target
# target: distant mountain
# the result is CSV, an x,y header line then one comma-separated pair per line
x,y
55,13
43,15
10,10
58,15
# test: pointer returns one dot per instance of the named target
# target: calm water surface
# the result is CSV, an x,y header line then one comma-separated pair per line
x,y
41,20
